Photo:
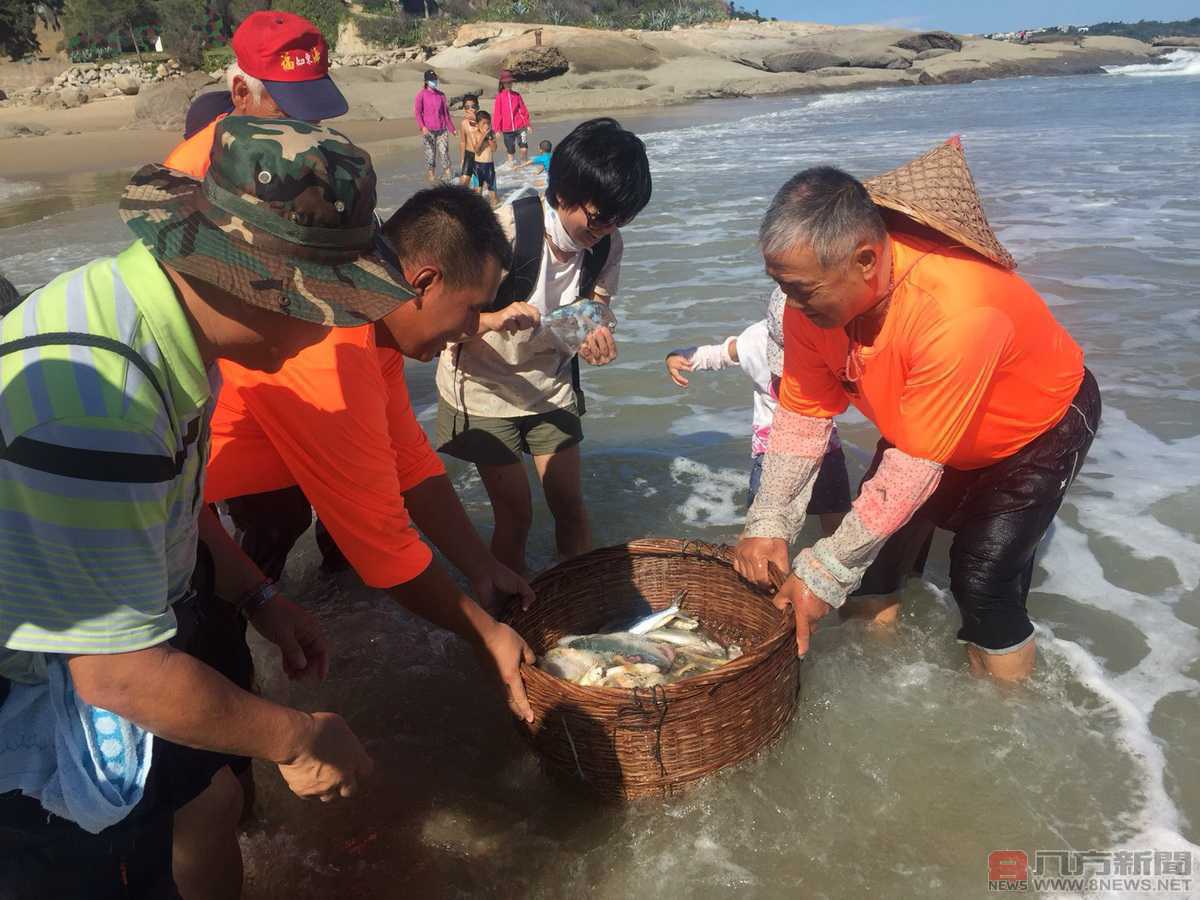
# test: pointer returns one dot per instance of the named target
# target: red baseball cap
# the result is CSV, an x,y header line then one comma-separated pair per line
x,y
288,54
505,75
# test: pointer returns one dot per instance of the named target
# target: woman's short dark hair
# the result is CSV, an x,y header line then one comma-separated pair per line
x,y
451,227
603,164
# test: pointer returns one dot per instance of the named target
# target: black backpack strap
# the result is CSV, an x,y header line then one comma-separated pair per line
x,y
593,264
97,465
528,246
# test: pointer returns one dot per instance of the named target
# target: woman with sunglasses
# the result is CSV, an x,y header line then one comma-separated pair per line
x,y
503,395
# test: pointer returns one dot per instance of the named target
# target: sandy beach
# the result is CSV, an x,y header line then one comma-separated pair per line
x,y
607,71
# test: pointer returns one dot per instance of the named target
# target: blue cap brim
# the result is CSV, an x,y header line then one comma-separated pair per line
x,y
309,101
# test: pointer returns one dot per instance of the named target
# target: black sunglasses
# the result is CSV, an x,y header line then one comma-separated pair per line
x,y
595,220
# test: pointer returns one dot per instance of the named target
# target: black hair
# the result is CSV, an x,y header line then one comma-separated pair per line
x,y
470,98
484,114
603,164
452,227
545,146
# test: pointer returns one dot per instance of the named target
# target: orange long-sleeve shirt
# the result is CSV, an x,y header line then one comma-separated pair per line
x,y
969,366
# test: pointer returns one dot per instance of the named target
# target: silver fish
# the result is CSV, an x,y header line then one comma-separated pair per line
x,y
687,640
658,619
683,623
633,648
571,664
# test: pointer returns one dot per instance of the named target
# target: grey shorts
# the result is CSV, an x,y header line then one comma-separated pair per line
x,y
488,441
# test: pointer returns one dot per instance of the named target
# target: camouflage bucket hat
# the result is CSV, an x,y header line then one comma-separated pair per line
x,y
775,304
284,220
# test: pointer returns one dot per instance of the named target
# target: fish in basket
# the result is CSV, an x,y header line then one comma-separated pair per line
x,y
661,648
658,666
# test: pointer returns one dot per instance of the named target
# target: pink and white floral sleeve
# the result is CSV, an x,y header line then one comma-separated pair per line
x,y
834,566
789,471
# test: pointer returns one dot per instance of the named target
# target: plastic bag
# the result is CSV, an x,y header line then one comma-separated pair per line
x,y
570,325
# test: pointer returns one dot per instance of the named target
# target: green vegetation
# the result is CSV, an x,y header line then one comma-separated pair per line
x,y
395,30
16,28
327,15
1145,30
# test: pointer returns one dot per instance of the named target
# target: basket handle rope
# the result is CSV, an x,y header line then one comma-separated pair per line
x,y
645,706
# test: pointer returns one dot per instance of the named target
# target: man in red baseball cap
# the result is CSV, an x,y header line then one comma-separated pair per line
x,y
281,70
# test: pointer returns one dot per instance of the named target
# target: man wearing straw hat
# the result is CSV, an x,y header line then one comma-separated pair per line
x,y
113,719
984,405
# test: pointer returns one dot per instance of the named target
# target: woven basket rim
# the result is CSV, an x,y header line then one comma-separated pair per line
x,y
652,546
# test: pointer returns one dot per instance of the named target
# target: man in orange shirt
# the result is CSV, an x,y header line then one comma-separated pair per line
x,y
281,71
984,405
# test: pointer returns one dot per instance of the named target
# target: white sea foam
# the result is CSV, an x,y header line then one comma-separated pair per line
x,y
11,190
1181,62
716,494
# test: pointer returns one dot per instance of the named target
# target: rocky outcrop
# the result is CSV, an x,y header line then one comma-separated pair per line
x,y
934,53
96,80
127,85
165,105
930,40
888,58
536,63
73,97
15,129
1169,41
803,61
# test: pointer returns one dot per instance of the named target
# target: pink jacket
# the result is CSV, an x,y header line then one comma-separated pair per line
x,y
431,110
509,112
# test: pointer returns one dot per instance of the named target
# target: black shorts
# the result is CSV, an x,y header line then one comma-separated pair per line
x,y
43,856
468,166
831,492
998,514
513,139
485,173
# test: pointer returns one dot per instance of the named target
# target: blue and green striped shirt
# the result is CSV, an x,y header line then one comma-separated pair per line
x,y
100,482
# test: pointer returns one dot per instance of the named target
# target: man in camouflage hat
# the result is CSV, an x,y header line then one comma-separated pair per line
x,y
105,401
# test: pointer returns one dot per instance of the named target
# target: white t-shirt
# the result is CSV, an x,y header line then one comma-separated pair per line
x,y
752,357
506,375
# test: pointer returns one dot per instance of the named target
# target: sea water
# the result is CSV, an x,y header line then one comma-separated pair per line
x,y
900,773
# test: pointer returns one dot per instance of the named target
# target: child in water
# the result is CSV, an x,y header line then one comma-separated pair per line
x,y
468,139
485,166
759,352
543,157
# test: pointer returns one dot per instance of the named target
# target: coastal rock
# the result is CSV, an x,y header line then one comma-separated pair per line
x,y
475,35
1170,41
930,40
16,129
127,84
536,63
804,61
165,105
935,53
888,58
3,96
73,97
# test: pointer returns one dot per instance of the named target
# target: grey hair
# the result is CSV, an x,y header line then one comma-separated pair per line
x,y
255,85
824,208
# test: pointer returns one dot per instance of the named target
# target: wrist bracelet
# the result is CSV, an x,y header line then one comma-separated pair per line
x,y
256,598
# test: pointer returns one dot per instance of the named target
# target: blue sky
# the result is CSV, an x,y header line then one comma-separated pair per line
x,y
973,16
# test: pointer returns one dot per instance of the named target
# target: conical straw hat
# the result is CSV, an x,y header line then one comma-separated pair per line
x,y
936,190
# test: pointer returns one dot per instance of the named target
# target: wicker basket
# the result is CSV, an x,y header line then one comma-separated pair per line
x,y
626,744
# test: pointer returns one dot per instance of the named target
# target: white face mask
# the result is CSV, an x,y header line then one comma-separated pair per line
x,y
432,84
557,232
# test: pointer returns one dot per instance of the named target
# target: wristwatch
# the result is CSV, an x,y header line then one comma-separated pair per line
x,y
256,598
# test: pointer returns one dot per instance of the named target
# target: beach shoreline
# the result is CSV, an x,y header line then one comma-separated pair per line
x,y
624,73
